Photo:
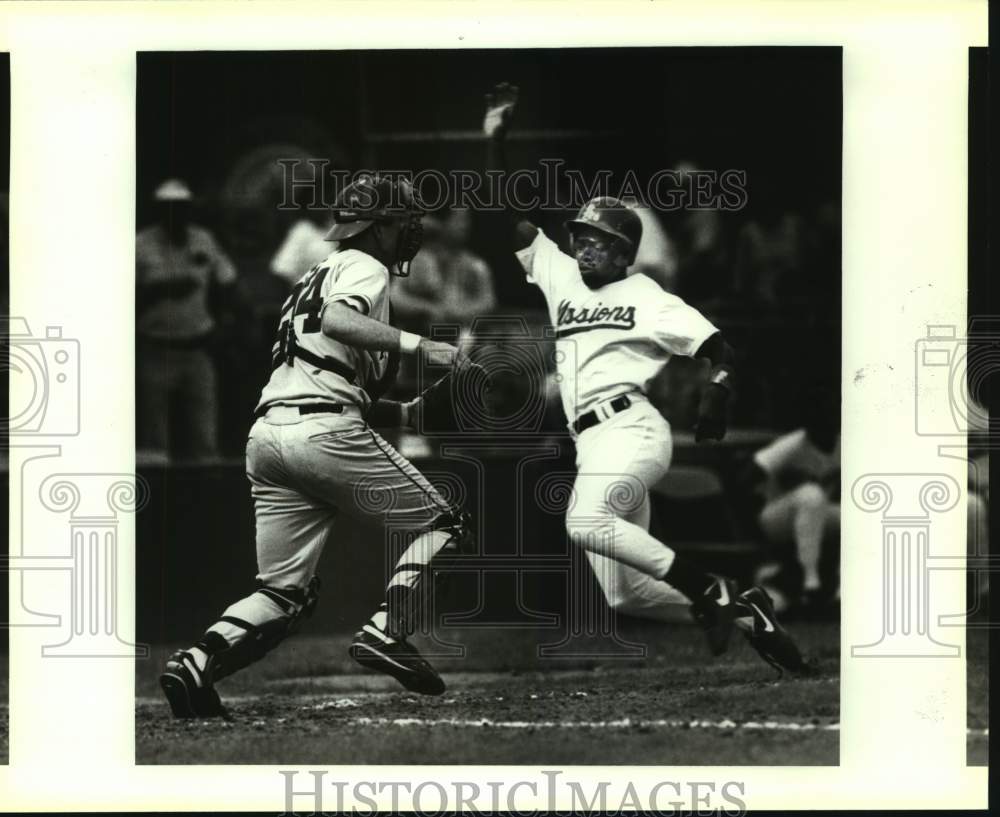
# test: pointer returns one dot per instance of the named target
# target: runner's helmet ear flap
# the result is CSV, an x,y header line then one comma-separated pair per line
x,y
613,217
375,199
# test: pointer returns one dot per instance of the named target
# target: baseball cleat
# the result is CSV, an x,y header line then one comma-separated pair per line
x,y
375,650
767,636
715,613
186,697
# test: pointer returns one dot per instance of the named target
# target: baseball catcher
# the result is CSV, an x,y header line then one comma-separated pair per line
x,y
313,453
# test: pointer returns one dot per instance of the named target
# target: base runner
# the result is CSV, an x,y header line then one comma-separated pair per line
x,y
625,328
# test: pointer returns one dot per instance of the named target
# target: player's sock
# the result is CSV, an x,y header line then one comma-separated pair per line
x,y
379,621
409,593
807,524
688,578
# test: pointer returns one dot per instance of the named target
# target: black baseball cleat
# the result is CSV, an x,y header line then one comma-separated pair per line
x,y
767,636
716,613
375,650
186,698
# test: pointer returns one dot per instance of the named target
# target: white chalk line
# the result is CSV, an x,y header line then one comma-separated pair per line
x,y
621,723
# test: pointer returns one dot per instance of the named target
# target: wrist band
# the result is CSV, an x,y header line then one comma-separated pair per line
x,y
722,376
408,342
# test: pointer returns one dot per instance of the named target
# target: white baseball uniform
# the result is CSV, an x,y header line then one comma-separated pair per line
x,y
610,342
804,514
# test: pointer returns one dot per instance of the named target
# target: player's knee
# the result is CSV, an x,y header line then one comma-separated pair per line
x,y
290,603
255,625
810,496
619,602
622,597
458,525
590,529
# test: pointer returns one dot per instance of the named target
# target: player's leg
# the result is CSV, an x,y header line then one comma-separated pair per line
x,y
631,591
291,530
803,516
154,379
619,461
378,483
634,593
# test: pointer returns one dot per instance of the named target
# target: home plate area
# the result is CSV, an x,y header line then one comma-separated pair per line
x,y
308,703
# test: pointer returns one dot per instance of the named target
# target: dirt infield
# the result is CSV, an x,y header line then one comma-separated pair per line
x,y
309,704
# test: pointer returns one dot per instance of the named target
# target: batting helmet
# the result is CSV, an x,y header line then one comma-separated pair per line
x,y
613,217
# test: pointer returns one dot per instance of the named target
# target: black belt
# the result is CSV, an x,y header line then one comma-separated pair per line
x,y
321,408
308,408
591,418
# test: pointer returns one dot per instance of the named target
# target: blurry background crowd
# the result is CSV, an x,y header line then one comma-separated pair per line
x,y
218,124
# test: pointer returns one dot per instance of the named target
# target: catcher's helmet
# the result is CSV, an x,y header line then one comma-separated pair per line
x,y
613,217
373,199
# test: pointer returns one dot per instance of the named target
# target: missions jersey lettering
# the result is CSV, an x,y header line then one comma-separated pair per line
x,y
572,319
611,340
310,367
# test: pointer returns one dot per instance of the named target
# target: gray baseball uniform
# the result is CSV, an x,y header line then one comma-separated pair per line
x,y
304,469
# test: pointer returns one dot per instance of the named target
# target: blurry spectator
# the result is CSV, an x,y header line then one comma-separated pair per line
x,y
449,283
177,266
303,248
703,269
657,254
796,479
769,251
822,262
977,507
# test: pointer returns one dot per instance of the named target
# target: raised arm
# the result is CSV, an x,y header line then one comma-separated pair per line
x,y
500,107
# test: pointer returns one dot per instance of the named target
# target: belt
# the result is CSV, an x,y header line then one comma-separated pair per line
x,y
601,412
308,408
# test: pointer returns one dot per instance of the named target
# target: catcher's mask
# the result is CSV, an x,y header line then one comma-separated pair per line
x,y
377,200
614,218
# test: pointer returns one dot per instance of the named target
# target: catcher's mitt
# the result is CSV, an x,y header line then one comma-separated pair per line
x,y
453,403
